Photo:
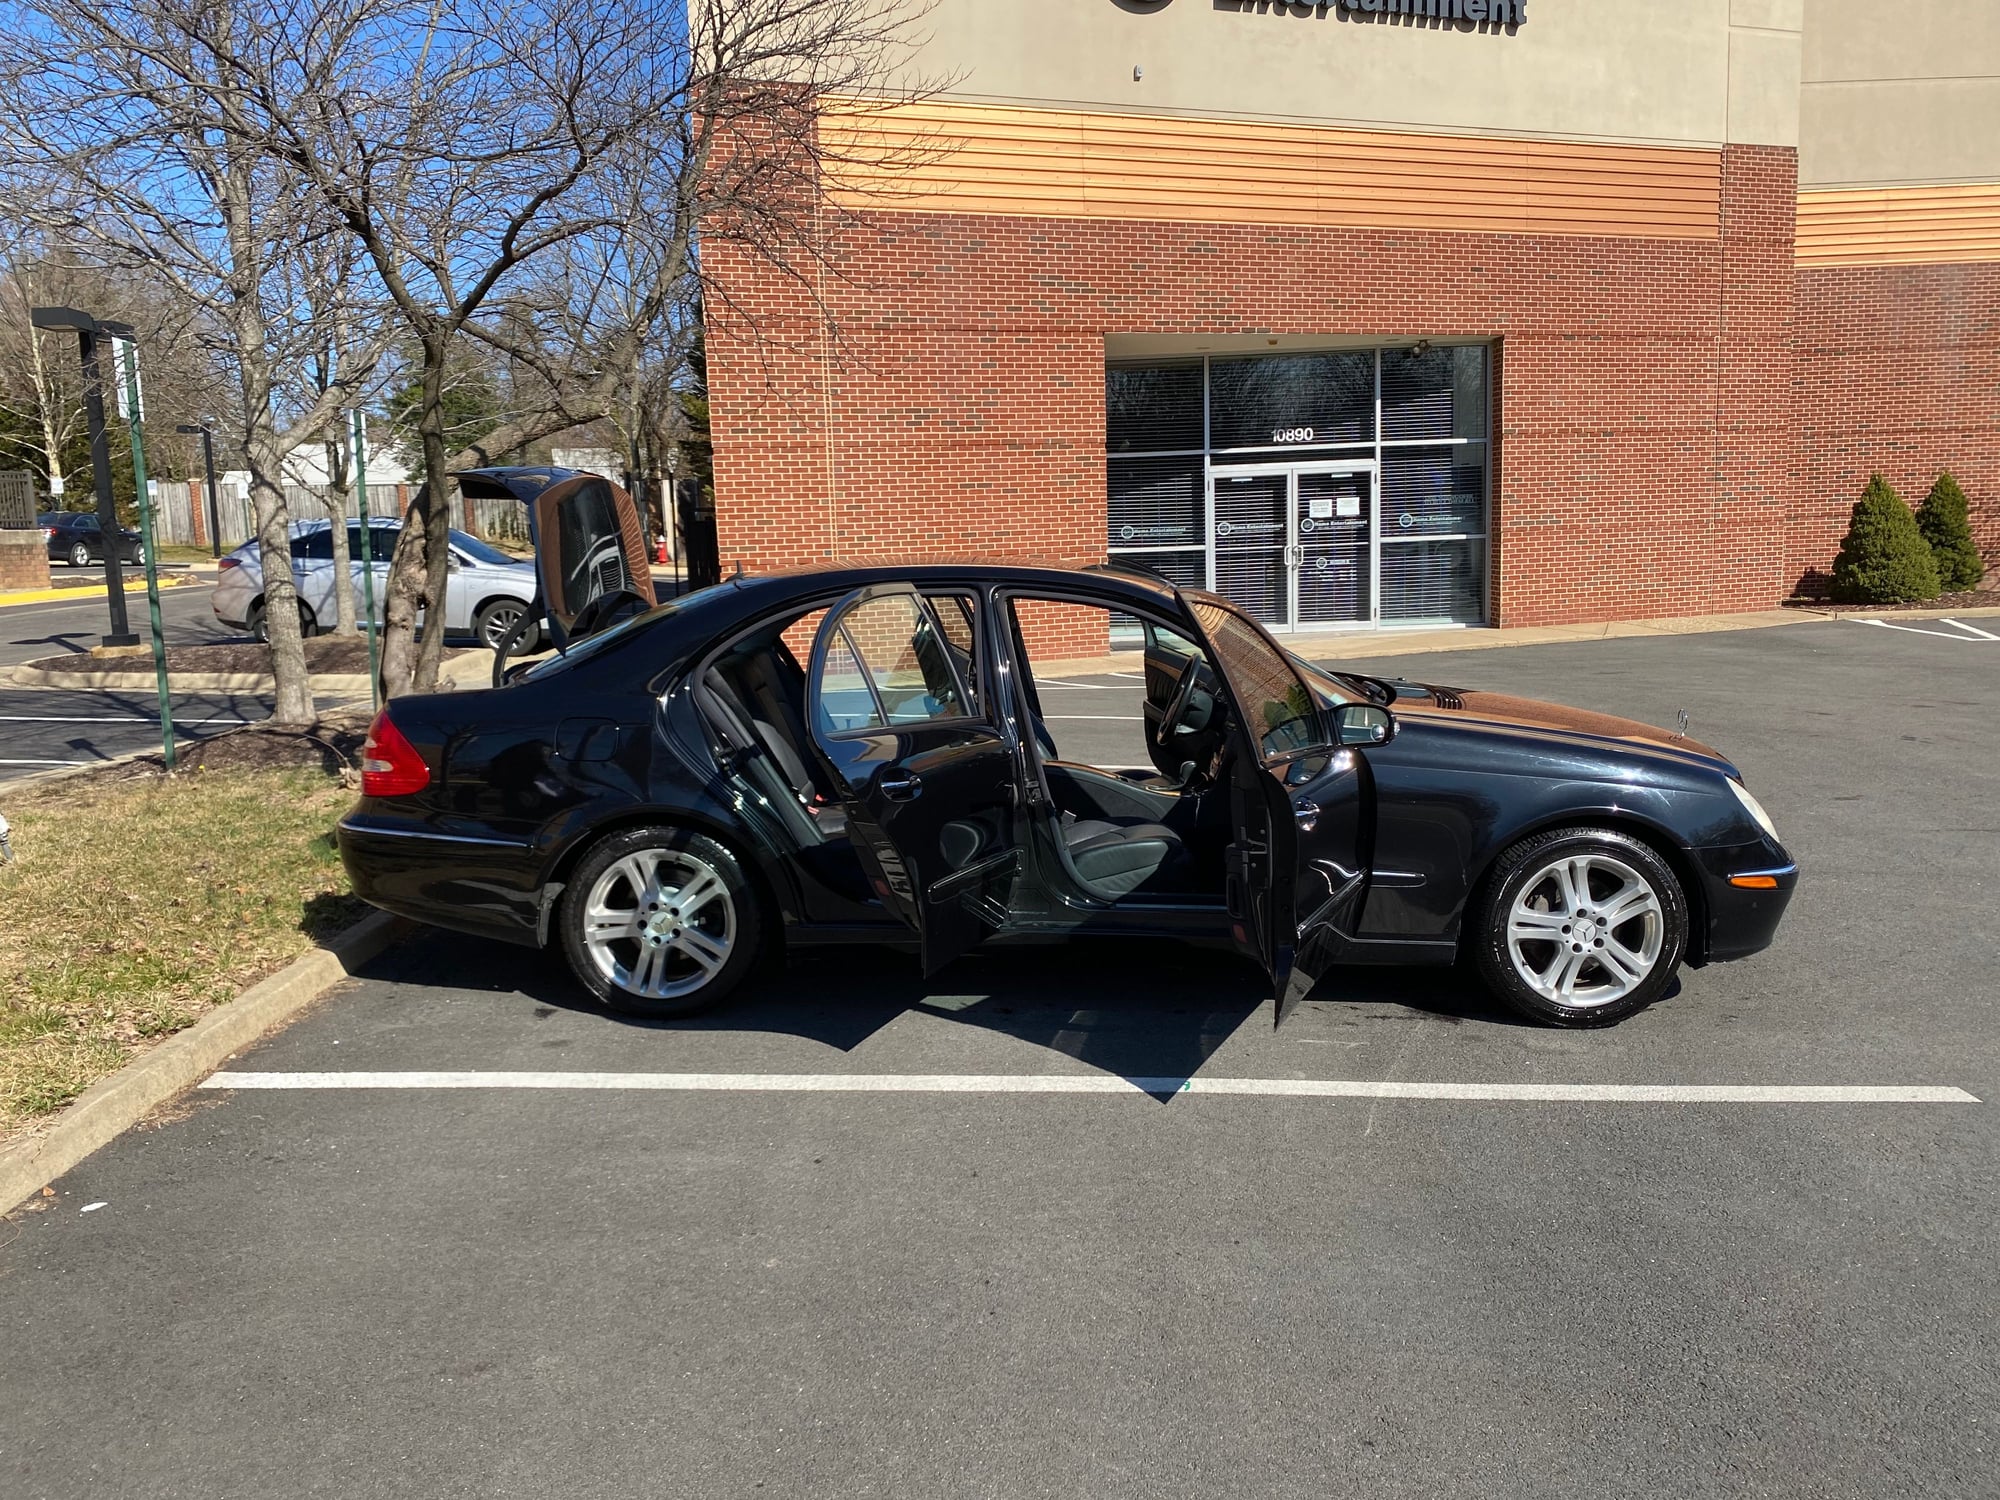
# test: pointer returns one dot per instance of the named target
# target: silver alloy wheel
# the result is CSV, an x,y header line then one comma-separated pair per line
x,y
79,556
496,621
659,923
1586,930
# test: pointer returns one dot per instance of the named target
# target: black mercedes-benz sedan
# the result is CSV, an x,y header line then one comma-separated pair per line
x,y
869,754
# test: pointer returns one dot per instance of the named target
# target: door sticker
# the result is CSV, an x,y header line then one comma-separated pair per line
x,y
1350,505
1320,507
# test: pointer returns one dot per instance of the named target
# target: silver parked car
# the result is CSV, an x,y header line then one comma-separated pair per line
x,y
488,590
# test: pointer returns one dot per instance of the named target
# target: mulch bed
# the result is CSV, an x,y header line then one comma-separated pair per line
x,y
325,654
1968,599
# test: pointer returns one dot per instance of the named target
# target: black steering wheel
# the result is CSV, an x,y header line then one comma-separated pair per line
x,y
1177,706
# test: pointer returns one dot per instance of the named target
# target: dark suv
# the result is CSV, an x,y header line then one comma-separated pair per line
x,y
75,537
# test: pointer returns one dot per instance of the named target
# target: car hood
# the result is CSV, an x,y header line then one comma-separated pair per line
x,y
1504,711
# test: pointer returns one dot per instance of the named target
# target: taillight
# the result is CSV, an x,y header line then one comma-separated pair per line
x,y
49,532
390,765
225,564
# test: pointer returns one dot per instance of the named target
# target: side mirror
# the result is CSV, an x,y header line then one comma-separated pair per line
x,y
1363,724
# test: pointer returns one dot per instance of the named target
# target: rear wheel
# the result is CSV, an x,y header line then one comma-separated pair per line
x,y
79,555
1581,927
659,922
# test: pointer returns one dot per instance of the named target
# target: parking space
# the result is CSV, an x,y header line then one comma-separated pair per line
x,y
1081,1221
45,728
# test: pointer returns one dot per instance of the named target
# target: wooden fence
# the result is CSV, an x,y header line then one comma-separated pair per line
x,y
180,516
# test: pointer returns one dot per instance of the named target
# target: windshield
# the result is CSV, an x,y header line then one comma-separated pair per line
x,y
1331,688
483,552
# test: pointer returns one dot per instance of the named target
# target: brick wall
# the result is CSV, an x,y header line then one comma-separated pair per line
x,y
1898,374
24,560
955,403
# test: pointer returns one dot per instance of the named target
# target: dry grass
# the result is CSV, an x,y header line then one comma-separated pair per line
x,y
135,905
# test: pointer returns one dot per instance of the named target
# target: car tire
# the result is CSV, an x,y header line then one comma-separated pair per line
x,y
260,628
1580,927
663,960
496,617
79,556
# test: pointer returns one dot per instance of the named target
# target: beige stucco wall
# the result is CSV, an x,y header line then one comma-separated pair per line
x,y
1900,94
1663,72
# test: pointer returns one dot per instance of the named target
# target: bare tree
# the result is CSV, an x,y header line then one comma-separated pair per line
x,y
41,384
484,154
131,127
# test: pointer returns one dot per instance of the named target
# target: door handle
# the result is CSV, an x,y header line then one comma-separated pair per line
x,y
1307,814
900,786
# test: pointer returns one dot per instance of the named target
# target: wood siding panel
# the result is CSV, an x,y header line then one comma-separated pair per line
x,y
1899,226
942,158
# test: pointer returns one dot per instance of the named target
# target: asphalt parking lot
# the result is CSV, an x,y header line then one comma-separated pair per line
x,y
767,1280
43,729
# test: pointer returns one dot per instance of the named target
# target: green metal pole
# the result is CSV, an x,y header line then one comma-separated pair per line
x,y
367,556
130,375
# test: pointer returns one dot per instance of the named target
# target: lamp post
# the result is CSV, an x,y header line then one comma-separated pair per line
x,y
670,514
214,494
367,556
126,344
85,327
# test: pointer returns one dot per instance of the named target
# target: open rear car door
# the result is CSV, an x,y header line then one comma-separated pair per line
x,y
929,784
1297,871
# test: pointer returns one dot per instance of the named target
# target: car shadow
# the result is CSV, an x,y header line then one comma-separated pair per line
x,y
1153,1015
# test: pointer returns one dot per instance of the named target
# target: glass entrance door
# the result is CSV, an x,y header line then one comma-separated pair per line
x,y
1295,544
1250,541
1334,569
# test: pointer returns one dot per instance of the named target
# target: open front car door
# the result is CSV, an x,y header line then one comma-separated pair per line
x,y
929,783
1297,869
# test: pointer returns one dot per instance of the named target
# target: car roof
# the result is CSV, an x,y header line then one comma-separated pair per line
x,y
1098,578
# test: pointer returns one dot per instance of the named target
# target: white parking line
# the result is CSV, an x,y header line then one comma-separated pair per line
x,y
1103,1083
113,719
47,762
1094,718
1942,635
1982,634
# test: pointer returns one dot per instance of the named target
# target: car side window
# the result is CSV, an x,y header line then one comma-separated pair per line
x,y
87,522
954,616
1275,703
381,539
314,546
888,665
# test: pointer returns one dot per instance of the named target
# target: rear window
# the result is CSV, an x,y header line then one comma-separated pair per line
x,y
585,649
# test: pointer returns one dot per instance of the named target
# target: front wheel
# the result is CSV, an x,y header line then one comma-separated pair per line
x,y
496,618
1581,927
659,922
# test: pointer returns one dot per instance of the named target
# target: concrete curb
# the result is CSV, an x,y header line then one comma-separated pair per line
x,y
184,682
114,1104
462,672
84,592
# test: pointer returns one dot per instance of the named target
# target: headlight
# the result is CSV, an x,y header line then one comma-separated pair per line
x,y
1755,808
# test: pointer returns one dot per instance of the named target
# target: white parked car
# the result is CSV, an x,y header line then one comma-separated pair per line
x,y
487,592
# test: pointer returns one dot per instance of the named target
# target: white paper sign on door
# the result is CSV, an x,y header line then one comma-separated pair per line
x,y
1319,507
1350,505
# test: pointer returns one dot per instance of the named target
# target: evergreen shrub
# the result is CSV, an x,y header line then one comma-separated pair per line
x,y
1883,559
1943,521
